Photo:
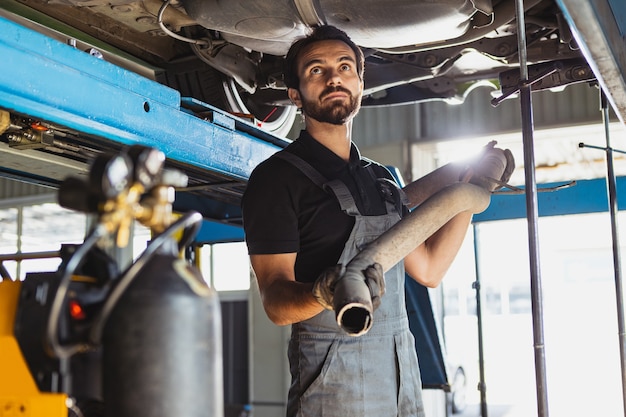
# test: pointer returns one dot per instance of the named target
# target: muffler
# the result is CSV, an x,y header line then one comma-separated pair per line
x,y
352,300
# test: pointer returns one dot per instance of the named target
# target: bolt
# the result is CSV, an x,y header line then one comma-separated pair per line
x,y
22,137
146,20
430,60
95,53
503,49
579,72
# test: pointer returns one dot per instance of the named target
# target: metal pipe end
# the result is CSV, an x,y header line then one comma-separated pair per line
x,y
355,318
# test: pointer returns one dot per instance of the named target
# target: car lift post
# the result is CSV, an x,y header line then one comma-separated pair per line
x,y
482,386
611,185
532,216
613,209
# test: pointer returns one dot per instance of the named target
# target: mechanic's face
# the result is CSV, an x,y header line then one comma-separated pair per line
x,y
330,87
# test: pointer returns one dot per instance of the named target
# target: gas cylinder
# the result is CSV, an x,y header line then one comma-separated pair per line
x,y
162,344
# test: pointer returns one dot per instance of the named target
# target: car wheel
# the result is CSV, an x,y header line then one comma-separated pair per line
x,y
210,86
458,392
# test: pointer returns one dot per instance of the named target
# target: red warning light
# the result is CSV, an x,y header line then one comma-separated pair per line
x,y
38,126
76,310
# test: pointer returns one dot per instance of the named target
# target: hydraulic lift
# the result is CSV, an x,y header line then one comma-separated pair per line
x,y
108,108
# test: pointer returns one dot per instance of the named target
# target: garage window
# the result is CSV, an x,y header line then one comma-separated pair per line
x,y
226,266
37,227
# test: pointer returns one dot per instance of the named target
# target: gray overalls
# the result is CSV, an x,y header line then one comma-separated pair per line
x,y
374,375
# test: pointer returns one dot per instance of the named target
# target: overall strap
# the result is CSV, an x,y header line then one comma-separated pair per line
x,y
394,196
338,188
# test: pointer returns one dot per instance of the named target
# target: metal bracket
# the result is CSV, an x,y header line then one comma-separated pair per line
x,y
551,69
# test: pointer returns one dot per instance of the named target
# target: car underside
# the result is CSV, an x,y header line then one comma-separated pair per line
x,y
229,54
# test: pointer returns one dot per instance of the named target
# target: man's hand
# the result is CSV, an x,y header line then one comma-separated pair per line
x,y
492,163
375,280
324,286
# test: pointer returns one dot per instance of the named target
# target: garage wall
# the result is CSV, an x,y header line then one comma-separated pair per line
x,y
11,189
437,121
386,134
269,369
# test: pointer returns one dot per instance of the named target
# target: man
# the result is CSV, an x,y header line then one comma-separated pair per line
x,y
308,210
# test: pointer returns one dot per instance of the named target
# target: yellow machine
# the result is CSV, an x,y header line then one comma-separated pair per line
x,y
19,394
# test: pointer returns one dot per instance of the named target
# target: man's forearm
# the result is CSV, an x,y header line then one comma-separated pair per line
x,y
288,302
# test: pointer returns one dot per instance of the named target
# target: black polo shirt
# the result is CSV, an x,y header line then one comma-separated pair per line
x,y
285,212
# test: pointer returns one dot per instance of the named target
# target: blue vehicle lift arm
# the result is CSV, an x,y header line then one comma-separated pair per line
x,y
95,106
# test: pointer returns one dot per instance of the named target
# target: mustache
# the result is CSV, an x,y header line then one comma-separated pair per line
x,y
334,89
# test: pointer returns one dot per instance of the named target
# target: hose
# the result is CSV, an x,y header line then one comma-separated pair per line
x,y
175,35
53,345
190,223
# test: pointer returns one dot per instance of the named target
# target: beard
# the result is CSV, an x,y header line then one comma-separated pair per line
x,y
336,112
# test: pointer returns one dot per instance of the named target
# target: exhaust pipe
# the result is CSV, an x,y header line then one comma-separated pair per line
x,y
352,301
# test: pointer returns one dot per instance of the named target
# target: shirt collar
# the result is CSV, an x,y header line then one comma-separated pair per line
x,y
323,157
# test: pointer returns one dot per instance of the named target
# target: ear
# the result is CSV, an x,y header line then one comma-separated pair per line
x,y
294,96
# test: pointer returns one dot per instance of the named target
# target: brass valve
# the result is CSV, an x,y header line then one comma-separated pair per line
x,y
121,188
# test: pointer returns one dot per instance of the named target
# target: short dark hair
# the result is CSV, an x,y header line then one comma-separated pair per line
x,y
320,33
